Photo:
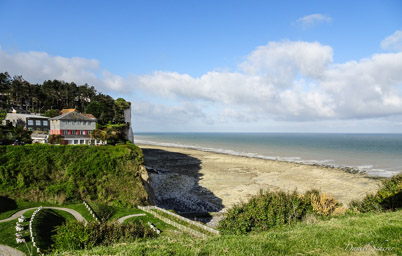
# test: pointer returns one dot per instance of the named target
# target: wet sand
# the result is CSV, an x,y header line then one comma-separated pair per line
x,y
223,180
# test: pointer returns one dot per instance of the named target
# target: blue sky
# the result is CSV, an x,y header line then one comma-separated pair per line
x,y
247,66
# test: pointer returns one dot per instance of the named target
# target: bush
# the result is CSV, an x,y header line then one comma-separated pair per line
x,y
45,173
7,204
44,227
102,211
266,210
73,235
388,197
323,204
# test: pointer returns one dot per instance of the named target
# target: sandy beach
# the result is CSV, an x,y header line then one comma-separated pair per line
x,y
213,181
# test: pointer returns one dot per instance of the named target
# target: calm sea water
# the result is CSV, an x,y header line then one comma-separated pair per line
x,y
376,154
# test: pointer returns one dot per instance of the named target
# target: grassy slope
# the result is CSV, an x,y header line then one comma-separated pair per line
x,y
338,236
7,232
56,174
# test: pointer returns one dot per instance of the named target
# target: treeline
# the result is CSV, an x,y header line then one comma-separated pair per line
x,y
59,174
53,95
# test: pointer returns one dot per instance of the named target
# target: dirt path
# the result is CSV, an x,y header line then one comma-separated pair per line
x,y
9,251
76,214
122,219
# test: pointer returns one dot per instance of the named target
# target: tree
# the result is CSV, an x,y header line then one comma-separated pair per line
x,y
52,112
55,139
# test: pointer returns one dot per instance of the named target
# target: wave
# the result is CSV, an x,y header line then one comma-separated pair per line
x,y
329,163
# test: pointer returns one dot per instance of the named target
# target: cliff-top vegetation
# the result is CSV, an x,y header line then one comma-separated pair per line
x,y
45,173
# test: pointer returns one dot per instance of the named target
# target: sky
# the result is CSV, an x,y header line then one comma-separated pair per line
x,y
220,66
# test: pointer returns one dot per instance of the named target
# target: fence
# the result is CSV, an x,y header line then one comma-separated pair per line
x,y
89,208
181,227
32,233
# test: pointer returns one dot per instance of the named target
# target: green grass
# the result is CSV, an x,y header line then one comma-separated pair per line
x,y
182,222
166,229
121,212
338,236
7,232
81,209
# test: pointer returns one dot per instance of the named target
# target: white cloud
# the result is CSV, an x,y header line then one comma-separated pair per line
x,y
291,81
36,67
283,81
312,19
393,42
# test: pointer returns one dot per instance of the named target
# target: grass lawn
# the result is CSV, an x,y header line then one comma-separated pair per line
x,y
167,230
7,232
121,212
183,223
357,235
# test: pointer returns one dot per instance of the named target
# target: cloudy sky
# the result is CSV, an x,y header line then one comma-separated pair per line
x,y
216,66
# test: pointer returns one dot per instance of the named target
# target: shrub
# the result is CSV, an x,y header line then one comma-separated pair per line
x,y
46,173
73,235
44,227
388,197
266,210
103,211
7,204
323,204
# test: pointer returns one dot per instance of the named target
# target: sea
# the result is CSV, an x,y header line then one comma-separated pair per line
x,y
373,154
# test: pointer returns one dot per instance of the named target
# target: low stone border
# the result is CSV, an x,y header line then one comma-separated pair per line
x,y
31,231
89,208
209,229
170,222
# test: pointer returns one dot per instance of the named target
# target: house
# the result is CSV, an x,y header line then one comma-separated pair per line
x,y
28,121
39,137
74,127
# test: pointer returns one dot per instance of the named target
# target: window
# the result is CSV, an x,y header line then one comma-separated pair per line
x,y
75,141
74,132
45,123
38,122
30,122
65,132
81,141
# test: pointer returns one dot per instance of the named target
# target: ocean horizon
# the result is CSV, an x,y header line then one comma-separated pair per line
x,y
376,154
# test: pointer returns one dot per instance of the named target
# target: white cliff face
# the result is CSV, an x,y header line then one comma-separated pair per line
x,y
127,119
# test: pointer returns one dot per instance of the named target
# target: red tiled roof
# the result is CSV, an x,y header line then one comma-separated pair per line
x,y
67,110
89,115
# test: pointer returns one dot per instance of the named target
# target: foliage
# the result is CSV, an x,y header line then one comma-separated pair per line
x,y
7,204
266,210
55,94
10,134
55,139
112,133
323,204
107,174
3,114
363,234
75,235
102,211
388,197
52,113
44,227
